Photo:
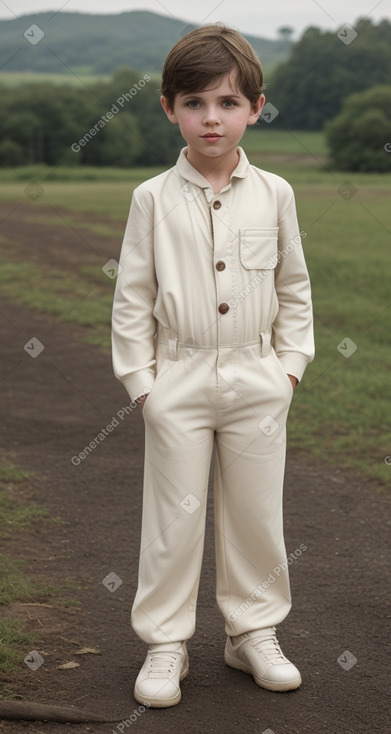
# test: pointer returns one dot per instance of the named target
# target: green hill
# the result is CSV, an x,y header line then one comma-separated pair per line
x,y
100,44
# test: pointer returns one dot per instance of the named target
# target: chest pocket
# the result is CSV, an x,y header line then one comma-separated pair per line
x,y
258,248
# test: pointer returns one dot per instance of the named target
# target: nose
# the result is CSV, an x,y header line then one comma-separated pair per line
x,y
211,116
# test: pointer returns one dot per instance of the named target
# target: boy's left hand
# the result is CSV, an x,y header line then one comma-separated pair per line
x,y
293,380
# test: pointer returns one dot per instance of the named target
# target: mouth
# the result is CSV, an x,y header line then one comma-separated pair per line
x,y
211,135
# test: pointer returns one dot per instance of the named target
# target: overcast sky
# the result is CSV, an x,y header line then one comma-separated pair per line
x,y
257,17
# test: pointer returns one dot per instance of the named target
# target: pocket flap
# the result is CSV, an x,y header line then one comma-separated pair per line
x,y
258,248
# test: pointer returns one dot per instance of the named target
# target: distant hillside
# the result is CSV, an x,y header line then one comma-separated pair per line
x,y
100,44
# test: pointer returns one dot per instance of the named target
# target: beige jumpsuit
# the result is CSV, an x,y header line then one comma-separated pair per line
x,y
212,309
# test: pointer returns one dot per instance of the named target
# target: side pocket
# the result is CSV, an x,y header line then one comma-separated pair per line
x,y
282,370
163,364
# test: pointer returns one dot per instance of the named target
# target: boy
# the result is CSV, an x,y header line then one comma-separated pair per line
x,y
211,331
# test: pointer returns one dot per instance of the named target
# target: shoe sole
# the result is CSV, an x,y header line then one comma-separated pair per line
x,y
163,702
269,685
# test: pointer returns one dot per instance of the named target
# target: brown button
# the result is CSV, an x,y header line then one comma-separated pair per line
x,y
220,265
216,204
223,308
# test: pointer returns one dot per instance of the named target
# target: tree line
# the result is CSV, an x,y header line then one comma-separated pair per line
x,y
115,123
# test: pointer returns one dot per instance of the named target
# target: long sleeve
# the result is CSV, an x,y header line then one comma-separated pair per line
x,y
133,323
293,337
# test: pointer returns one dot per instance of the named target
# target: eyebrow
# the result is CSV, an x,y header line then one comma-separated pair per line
x,y
222,96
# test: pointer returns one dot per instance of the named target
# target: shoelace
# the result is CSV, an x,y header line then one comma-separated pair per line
x,y
268,646
161,664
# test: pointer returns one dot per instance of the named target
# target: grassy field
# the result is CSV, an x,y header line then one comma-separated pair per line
x,y
16,79
340,413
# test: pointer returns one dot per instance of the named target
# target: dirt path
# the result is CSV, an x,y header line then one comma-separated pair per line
x,y
53,406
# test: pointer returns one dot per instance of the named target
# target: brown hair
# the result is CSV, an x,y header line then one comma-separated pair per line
x,y
205,55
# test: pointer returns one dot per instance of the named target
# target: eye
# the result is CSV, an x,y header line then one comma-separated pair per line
x,y
230,102
191,102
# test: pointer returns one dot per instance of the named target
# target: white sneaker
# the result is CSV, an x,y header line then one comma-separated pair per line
x,y
157,683
259,654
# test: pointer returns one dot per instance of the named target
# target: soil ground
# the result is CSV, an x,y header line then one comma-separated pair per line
x,y
53,406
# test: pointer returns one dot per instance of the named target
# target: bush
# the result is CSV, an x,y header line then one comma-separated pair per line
x,y
11,153
359,136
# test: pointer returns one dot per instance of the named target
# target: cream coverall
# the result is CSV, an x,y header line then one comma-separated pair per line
x,y
211,310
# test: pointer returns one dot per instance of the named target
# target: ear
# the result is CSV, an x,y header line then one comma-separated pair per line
x,y
170,113
256,110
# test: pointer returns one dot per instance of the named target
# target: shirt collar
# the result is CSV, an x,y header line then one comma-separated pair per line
x,y
187,171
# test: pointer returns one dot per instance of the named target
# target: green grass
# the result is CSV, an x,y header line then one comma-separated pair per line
x,y
15,643
15,640
17,516
83,298
339,413
78,79
92,197
11,473
341,408
16,586
262,138
42,173
103,230
15,513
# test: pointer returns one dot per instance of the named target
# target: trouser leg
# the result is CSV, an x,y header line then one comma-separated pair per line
x,y
253,588
178,448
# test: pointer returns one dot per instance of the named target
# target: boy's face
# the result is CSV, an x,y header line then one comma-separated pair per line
x,y
221,110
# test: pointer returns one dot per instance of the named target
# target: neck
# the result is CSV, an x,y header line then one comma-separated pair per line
x,y
219,168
